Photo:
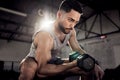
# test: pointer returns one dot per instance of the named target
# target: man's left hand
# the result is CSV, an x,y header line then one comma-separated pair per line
x,y
98,72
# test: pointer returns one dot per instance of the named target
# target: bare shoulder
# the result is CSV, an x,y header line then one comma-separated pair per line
x,y
43,37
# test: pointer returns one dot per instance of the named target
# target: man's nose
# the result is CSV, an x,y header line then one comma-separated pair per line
x,y
72,25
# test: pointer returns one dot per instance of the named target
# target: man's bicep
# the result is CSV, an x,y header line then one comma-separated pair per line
x,y
43,47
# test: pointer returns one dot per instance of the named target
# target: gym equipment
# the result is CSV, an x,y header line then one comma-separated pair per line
x,y
84,61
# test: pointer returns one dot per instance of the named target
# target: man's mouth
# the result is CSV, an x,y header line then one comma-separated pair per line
x,y
69,28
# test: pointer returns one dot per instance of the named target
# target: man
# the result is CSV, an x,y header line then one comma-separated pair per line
x,y
47,44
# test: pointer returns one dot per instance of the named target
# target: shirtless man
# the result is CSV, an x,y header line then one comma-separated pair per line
x,y
47,44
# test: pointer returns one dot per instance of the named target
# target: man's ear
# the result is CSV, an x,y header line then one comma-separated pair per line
x,y
59,14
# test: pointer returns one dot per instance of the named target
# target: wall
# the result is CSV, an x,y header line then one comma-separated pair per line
x,y
13,51
104,51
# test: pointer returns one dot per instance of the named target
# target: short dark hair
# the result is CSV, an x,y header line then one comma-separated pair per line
x,y
67,5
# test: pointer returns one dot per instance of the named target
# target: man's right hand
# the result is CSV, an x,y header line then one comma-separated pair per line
x,y
84,61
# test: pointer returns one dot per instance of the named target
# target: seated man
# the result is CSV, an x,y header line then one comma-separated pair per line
x,y
47,44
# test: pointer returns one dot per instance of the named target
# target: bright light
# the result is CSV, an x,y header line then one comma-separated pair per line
x,y
103,36
44,22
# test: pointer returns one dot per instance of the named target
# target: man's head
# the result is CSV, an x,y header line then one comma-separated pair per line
x,y
68,5
68,15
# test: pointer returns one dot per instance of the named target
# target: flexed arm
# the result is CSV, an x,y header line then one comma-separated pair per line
x,y
44,45
75,47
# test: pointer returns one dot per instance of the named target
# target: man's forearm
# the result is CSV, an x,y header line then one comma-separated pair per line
x,y
51,69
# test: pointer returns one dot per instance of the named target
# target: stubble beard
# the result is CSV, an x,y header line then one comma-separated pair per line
x,y
62,29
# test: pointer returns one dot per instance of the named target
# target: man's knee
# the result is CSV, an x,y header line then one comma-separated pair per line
x,y
26,75
27,70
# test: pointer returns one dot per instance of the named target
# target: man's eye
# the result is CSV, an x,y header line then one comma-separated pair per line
x,y
71,20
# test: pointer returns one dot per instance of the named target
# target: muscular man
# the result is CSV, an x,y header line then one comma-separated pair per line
x,y
48,42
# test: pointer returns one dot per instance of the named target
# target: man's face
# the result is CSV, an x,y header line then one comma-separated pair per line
x,y
67,21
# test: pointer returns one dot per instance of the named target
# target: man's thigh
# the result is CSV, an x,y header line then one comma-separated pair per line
x,y
69,76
